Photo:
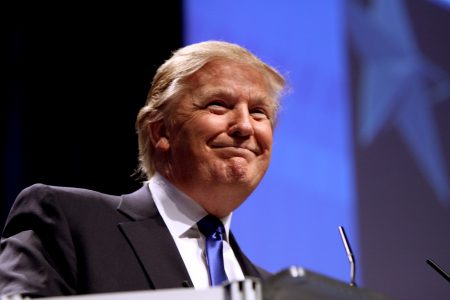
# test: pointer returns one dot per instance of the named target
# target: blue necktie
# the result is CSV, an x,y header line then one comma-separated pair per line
x,y
213,230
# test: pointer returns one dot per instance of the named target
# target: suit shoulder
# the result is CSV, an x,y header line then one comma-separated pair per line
x,y
40,188
43,206
39,192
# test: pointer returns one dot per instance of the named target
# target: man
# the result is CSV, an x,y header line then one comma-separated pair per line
x,y
205,138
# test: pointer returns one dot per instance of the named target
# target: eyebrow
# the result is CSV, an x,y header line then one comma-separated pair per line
x,y
229,93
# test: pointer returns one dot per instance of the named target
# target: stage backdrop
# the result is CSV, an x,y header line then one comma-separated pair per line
x,y
362,141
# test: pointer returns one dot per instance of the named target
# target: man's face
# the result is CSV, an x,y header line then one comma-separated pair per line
x,y
220,135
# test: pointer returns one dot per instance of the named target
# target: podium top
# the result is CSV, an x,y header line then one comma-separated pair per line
x,y
294,283
297,283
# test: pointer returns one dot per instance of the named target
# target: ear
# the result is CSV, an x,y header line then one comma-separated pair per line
x,y
158,135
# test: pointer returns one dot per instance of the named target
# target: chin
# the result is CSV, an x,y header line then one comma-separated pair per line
x,y
237,171
243,178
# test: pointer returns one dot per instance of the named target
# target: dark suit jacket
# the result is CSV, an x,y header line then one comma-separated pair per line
x,y
62,241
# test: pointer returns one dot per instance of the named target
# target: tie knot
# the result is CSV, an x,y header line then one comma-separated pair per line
x,y
210,225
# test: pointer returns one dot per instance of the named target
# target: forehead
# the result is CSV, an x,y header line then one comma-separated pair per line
x,y
225,68
228,77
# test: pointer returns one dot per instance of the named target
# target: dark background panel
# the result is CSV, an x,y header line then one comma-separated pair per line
x,y
402,221
76,77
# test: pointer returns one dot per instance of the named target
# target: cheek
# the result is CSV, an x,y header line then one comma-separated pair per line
x,y
263,135
195,134
206,127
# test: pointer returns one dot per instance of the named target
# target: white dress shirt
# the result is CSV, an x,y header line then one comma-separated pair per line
x,y
181,214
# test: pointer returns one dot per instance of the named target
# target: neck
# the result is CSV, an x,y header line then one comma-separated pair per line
x,y
217,199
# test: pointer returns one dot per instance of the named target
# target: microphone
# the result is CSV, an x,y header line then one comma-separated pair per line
x,y
349,255
438,269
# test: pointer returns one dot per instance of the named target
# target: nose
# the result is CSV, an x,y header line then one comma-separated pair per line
x,y
241,123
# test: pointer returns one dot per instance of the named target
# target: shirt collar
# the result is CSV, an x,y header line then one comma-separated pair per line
x,y
180,212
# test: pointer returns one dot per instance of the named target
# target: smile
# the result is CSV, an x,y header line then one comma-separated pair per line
x,y
231,151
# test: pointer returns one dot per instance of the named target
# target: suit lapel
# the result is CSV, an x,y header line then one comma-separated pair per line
x,y
248,268
151,241
154,246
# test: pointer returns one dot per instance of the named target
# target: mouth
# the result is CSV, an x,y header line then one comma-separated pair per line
x,y
236,150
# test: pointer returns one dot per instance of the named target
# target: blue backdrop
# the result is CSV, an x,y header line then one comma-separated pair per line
x,y
293,217
362,139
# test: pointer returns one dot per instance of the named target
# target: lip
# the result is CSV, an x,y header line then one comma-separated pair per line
x,y
239,150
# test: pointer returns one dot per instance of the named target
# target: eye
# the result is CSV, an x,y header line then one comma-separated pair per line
x,y
217,106
216,103
259,113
